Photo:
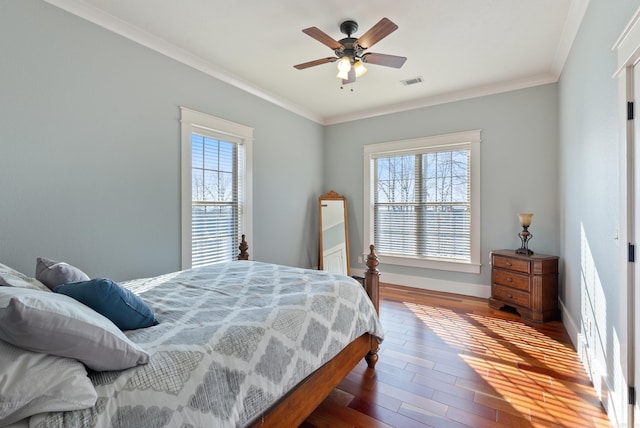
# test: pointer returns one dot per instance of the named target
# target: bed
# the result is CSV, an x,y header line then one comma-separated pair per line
x,y
237,344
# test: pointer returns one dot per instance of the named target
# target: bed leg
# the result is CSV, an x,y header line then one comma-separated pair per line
x,y
372,357
244,255
372,286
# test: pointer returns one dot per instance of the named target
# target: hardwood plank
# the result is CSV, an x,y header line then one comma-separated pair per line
x,y
465,403
452,361
372,395
394,419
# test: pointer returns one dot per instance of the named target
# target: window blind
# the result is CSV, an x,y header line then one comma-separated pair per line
x,y
216,198
422,204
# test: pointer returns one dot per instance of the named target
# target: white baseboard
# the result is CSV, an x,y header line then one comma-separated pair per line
x,y
569,324
609,398
475,290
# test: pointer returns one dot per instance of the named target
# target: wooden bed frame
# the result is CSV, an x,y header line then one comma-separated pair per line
x,y
301,401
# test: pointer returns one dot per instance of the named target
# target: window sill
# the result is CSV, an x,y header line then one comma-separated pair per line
x,y
448,265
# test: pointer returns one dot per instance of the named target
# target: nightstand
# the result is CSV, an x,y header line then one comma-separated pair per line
x,y
527,283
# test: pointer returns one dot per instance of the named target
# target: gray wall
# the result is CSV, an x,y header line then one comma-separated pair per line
x,y
518,167
90,151
588,151
594,288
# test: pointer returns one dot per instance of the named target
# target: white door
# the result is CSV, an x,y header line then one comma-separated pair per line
x,y
634,215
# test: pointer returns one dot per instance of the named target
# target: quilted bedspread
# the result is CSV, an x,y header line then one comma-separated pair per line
x,y
233,338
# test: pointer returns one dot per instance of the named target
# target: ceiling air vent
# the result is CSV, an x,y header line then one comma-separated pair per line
x,y
412,81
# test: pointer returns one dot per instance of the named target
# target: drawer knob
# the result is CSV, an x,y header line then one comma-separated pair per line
x,y
509,279
509,296
508,263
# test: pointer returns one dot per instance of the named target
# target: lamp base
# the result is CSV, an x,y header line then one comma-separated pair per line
x,y
524,251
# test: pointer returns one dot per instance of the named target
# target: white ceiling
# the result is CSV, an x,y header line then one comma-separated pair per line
x,y
460,48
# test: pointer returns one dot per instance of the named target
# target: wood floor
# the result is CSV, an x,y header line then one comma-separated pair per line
x,y
451,361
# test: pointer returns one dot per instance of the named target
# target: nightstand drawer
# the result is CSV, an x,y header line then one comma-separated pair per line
x,y
512,280
511,264
511,296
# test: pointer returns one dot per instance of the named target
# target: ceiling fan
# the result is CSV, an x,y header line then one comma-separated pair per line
x,y
350,52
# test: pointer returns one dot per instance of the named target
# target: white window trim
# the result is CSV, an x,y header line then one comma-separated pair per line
x,y
195,121
472,138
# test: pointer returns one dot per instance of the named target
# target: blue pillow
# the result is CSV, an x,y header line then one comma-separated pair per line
x,y
120,305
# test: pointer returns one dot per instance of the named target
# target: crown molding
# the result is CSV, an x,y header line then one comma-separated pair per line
x,y
448,97
577,10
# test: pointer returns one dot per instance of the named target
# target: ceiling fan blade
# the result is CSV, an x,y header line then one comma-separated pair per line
x,y
383,59
378,32
351,77
315,62
322,37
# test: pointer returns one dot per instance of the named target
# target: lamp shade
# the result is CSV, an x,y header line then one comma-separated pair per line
x,y
525,219
359,68
344,64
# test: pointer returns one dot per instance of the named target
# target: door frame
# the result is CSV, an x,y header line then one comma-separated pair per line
x,y
628,52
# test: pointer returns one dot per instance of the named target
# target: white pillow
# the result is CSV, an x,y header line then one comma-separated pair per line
x,y
52,273
60,325
13,278
32,383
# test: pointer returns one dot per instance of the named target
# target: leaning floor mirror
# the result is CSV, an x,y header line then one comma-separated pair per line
x,y
333,249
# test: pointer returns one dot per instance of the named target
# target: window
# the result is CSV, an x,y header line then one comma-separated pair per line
x,y
423,205
216,188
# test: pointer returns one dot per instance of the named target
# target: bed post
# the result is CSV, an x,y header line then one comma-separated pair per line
x,y
372,285
244,255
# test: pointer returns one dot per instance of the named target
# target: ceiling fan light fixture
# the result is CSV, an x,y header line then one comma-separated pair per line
x,y
359,68
344,64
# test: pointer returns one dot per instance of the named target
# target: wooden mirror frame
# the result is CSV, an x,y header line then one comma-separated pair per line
x,y
333,196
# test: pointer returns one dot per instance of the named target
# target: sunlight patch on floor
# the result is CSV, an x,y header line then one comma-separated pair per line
x,y
517,363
